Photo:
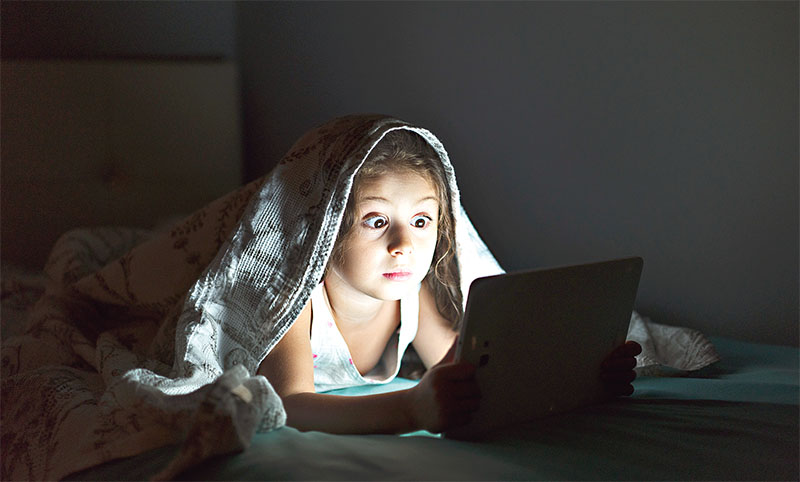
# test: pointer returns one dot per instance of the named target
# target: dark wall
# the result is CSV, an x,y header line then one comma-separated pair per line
x,y
579,131
92,29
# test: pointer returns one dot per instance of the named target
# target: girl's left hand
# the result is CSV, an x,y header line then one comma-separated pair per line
x,y
617,369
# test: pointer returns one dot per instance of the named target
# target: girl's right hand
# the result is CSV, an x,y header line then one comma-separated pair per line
x,y
445,397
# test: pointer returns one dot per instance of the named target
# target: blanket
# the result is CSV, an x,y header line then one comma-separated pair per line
x,y
145,339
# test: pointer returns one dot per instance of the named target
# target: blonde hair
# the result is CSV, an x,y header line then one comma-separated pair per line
x,y
403,150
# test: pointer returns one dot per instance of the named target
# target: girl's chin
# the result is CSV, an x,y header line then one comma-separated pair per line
x,y
395,290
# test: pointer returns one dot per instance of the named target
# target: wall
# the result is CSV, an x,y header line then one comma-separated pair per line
x,y
99,143
99,29
580,131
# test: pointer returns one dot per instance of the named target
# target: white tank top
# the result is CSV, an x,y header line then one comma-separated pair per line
x,y
333,364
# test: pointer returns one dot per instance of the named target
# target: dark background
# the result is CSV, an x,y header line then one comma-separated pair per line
x,y
579,131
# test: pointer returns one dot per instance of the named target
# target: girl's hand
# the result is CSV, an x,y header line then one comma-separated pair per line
x,y
617,369
445,397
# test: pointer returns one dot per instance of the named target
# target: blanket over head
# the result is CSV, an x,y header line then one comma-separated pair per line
x,y
147,339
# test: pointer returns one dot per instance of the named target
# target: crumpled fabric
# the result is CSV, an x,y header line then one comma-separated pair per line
x,y
143,340
669,350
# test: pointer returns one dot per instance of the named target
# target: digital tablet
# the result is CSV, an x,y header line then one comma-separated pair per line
x,y
538,339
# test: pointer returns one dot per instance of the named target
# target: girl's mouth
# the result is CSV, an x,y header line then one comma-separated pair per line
x,y
397,275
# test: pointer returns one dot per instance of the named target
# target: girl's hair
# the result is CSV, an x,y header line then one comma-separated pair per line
x,y
402,150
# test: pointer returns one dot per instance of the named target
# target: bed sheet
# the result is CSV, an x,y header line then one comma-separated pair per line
x,y
736,420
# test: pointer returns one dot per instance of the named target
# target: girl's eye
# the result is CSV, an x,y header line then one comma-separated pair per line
x,y
376,222
420,221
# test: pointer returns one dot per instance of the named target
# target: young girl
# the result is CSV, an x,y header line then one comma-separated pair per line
x,y
144,344
392,279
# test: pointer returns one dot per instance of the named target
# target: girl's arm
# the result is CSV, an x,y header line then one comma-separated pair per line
x,y
435,335
443,398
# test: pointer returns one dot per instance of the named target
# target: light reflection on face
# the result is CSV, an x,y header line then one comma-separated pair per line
x,y
391,246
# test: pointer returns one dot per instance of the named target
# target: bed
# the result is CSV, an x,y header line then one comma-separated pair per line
x,y
87,140
735,420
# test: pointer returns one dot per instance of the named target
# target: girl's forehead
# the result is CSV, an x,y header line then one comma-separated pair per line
x,y
397,183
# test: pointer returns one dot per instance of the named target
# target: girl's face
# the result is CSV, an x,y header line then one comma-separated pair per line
x,y
391,245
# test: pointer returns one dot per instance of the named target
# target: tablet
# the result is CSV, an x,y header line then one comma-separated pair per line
x,y
538,338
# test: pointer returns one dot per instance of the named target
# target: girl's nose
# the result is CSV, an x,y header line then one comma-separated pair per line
x,y
400,242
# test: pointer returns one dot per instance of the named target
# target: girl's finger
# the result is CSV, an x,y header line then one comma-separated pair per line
x,y
613,378
619,364
629,348
620,389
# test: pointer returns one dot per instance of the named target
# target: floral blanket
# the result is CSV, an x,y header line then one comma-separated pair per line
x,y
144,339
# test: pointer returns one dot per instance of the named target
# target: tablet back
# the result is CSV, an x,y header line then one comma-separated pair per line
x,y
538,339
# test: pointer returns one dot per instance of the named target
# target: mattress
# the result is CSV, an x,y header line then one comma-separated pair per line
x,y
734,420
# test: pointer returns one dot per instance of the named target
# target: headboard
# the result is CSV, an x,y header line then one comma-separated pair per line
x,y
125,143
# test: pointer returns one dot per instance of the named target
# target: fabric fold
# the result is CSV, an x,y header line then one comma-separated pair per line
x,y
669,350
152,328
147,339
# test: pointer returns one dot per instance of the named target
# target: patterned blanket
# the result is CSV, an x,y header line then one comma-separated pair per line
x,y
146,339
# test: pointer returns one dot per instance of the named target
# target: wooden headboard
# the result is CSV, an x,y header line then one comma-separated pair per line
x,y
123,143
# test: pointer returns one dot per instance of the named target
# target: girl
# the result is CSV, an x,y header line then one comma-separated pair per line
x,y
392,279
144,344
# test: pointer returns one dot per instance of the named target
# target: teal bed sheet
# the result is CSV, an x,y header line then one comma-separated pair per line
x,y
735,420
